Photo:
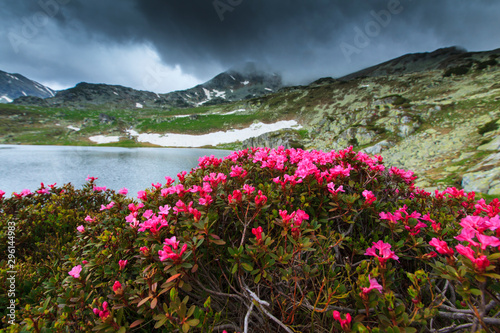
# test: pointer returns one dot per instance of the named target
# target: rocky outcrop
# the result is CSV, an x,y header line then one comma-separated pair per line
x,y
285,138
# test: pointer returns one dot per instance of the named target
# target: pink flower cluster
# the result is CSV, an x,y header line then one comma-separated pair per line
x,y
403,216
258,233
344,323
104,313
75,271
373,285
384,252
169,250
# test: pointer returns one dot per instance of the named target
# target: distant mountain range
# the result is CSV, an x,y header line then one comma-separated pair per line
x,y
230,86
13,86
233,85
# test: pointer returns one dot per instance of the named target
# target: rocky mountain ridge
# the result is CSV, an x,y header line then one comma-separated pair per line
x,y
13,86
229,86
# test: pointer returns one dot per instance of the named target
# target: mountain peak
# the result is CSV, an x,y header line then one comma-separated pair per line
x,y
13,86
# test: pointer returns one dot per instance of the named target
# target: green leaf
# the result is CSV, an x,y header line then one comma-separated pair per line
x,y
122,330
494,256
161,323
247,267
193,322
493,275
476,292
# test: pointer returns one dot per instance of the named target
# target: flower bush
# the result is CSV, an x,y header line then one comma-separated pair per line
x,y
267,240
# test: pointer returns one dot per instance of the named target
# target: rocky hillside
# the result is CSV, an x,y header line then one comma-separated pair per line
x,y
440,117
13,86
230,86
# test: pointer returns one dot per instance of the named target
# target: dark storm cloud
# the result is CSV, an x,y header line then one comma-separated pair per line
x,y
302,39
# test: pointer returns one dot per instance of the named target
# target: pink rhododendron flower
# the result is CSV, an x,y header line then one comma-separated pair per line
x,y
2,193
123,191
435,226
91,178
415,230
441,246
169,180
43,191
370,198
133,208
487,241
373,285
80,228
181,175
104,313
344,323
117,287
480,263
144,250
206,161
172,242
122,264
156,186
237,171
164,209
75,271
99,188
89,219
248,189
108,206
390,217
235,197
85,262
25,192
258,233
214,179
260,199
331,188
407,176
384,252
455,193
467,235
168,251
142,195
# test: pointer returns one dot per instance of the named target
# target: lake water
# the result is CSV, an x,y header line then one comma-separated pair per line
x,y
24,167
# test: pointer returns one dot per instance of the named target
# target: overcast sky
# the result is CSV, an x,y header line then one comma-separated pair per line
x,y
165,45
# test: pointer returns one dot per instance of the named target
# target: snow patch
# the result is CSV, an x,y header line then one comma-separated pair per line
x,y
73,128
114,92
6,98
139,105
268,89
232,77
104,139
24,93
245,83
215,138
234,111
218,93
14,77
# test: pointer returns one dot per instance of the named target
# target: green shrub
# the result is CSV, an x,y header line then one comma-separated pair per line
x,y
275,240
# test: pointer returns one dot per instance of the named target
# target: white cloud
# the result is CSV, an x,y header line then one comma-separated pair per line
x,y
62,62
